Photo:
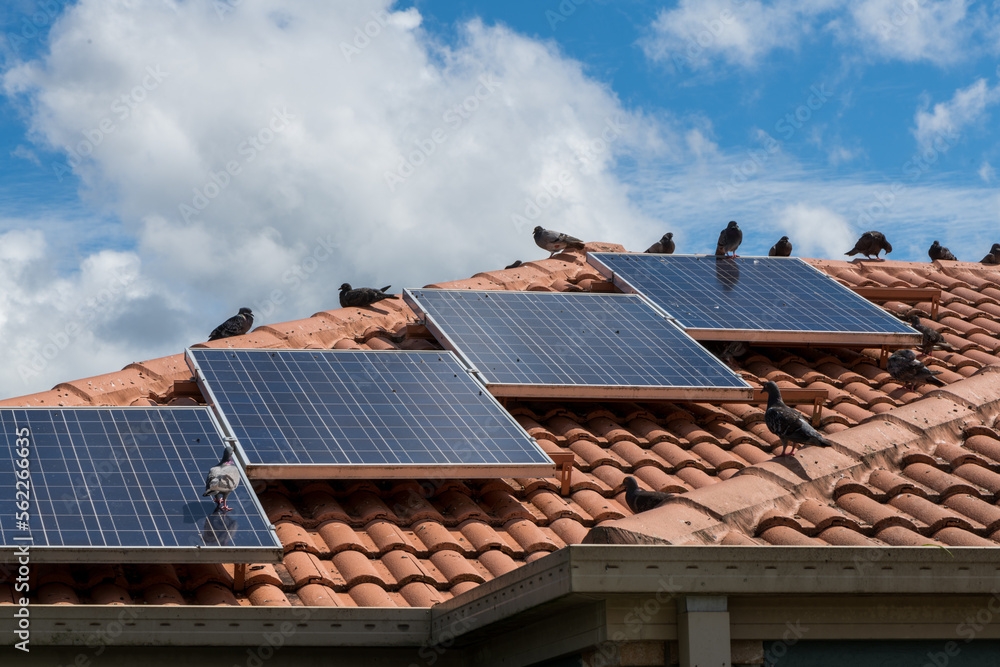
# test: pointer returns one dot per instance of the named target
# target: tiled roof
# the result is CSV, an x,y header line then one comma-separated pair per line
x,y
909,467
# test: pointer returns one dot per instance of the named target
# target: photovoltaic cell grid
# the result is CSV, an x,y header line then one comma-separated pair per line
x,y
570,340
761,294
373,414
123,485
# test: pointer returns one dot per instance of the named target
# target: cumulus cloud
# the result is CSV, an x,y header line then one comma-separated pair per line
x,y
815,230
941,126
264,152
694,34
940,32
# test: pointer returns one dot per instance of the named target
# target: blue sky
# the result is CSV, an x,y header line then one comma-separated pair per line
x,y
164,163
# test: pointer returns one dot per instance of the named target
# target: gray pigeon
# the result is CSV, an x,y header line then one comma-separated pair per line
x,y
222,480
791,426
870,243
554,242
783,248
665,246
730,239
904,367
362,296
237,325
938,251
931,338
993,257
639,500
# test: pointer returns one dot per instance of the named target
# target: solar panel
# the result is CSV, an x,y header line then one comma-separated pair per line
x,y
122,485
574,345
359,413
771,299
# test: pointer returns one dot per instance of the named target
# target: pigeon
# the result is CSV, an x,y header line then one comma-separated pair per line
x,y
931,339
730,351
870,243
730,239
362,296
513,265
791,426
554,242
938,251
783,248
904,367
222,480
665,246
237,325
639,500
993,257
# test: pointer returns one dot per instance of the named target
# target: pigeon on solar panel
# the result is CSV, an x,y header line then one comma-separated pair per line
x,y
640,500
993,257
513,265
791,426
237,325
783,248
931,338
870,243
904,366
222,480
362,296
665,246
730,239
938,251
554,242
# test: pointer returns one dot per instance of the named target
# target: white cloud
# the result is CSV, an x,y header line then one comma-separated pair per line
x,y
694,34
941,126
986,172
263,155
937,31
814,230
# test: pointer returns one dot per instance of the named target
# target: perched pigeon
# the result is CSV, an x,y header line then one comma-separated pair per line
x,y
938,251
729,352
870,243
993,257
665,246
513,265
783,248
639,500
904,367
554,242
362,296
237,325
730,239
791,427
222,480
931,339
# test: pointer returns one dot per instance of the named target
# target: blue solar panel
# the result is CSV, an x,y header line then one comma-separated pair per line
x,y
712,297
538,341
123,485
352,413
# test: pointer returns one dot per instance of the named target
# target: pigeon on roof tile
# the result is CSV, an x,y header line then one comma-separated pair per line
x,y
237,325
554,242
730,239
904,366
993,257
640,500
362,296
938,251
931,338
665,246
513,265
222,479
783,248
870,243
791,426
